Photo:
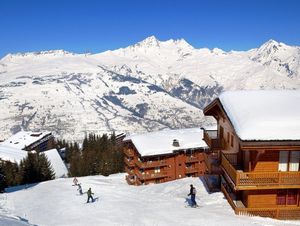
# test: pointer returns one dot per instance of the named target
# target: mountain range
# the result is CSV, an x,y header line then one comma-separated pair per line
x,y
148,86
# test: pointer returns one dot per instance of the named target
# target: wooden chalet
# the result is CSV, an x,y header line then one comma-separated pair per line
x,y
258,144
164,156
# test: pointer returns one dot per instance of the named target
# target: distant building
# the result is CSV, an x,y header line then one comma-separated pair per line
x,y
258,141
28,141
165,155
15,155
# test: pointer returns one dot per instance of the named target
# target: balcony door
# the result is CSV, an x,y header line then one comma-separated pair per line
x,y
289,161
294,161
283,161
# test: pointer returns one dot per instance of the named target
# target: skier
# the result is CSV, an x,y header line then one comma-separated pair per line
x,y
89,194
79,189
193,196
75,181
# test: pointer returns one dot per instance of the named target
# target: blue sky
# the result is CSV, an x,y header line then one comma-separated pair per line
x,y
98,25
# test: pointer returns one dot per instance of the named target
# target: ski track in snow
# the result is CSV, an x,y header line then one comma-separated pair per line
x,y
58,203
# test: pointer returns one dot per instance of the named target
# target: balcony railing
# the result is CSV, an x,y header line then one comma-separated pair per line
x,y
191,159
129,171
283,213
148,164
255,180
212,163
130,180
190,170
129,163
213,140
128,152
149,176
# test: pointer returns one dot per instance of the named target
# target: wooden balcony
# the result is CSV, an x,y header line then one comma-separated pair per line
x,y
213,140
150,176
128,152
282,213
212,163
190,170
128,170
259,180
130,181
192,159
148,164
129,163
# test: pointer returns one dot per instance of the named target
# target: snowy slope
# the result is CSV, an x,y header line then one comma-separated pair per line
x,y
58,203
144,87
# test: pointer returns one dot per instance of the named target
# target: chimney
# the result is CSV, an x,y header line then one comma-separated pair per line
x,y
175,143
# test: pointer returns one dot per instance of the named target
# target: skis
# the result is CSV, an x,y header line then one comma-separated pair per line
x,y
94,200
195,207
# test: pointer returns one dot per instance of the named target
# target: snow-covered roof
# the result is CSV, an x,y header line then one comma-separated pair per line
x,y
12,154
264,115
161,142
57,163
24,138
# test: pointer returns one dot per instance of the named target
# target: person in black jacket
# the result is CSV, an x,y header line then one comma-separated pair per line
x,y
193,196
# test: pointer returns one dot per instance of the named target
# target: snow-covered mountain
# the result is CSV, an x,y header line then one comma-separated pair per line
x,y
147,86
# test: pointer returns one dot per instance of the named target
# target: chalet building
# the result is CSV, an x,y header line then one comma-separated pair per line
x,y
258,141
29,141
162,156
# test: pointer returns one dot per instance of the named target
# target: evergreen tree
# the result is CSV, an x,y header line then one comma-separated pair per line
x,y
45,170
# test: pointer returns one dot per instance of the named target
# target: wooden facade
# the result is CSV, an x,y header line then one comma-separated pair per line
x,y
162,168
258,177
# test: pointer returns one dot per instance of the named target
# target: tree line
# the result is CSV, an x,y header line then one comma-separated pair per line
x,y
97,155
32,169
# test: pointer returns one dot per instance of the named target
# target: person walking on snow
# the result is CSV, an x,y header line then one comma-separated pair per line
x,y
79,189
89,194
193,195
75,181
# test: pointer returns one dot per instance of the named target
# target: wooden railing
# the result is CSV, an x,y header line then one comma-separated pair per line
x,y
128,152
212,163
230,170
191,159
129,180
191,170
252,179
149,176
283,213
212,139
153,164
129,163
128,170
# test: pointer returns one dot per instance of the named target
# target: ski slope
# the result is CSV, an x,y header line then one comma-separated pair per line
x,y
57,202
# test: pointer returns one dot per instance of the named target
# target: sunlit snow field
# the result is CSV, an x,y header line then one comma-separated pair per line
x,y
57,202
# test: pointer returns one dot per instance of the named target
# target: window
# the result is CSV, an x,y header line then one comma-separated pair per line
x,y
228,137
289,161
157,170
287,197
231,140
292,197
294,160
281,197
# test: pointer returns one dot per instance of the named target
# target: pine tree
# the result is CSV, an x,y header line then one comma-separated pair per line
x,y
45,170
